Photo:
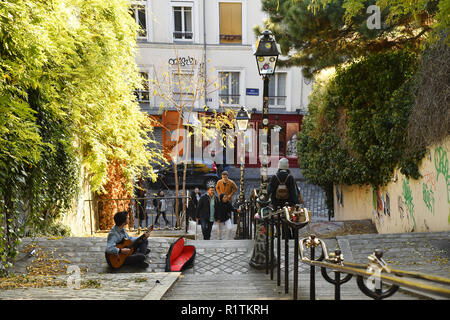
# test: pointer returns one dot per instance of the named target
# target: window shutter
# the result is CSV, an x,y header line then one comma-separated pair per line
x,y
230,22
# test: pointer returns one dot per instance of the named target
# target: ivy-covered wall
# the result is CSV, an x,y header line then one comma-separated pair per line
x,y
82,214
404,204
355,132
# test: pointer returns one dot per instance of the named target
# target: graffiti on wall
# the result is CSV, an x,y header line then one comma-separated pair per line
x,y
441,165
381,205
428,197
408,198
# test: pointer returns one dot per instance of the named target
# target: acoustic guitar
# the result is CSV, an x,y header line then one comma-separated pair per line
x,y
116,260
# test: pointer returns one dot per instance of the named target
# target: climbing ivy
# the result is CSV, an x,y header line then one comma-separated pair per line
x,y
355,132
67,81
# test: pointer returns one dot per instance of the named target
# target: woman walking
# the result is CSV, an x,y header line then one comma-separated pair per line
x,y
223,214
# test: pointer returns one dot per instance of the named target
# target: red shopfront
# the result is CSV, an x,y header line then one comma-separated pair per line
x,y
288,127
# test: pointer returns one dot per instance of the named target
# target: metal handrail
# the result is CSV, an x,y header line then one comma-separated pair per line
x,y
377,269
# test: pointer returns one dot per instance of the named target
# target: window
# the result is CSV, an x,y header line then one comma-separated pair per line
x,y
277,90
230,17
138,11
229,87
182,19
143,95
182,87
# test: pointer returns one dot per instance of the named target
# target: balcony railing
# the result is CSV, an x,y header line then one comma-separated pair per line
x,y
230,37
142,95
181,35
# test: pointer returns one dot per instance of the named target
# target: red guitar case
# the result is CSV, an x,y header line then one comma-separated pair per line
x,y
180,257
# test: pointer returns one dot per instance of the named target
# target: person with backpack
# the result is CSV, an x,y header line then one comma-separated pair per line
x,y
282,187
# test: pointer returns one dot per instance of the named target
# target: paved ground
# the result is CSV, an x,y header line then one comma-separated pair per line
x,y
122,286
221,269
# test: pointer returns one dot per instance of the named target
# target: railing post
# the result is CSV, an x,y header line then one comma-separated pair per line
x,y
250,232
312,280
337,285
247,216
295,262
266,224
278,249
286,257
271,223
243,217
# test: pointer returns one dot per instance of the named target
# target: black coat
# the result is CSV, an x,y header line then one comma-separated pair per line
x,y
223,211
290,184
203,208
192,205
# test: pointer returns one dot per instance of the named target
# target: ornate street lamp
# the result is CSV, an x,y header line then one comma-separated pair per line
x,y
266,54
242,118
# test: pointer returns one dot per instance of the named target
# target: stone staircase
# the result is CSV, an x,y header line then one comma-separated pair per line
x,y
221,269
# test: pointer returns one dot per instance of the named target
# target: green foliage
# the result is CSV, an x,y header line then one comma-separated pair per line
x,y
317,34
55,229
67,81
355,132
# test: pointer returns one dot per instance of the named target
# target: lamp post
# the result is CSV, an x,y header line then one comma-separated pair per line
x,y
266,54
242,119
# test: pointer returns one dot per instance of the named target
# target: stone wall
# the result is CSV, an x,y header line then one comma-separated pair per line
x,y
405,204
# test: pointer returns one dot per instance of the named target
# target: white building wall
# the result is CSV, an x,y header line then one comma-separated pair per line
x,y
156,50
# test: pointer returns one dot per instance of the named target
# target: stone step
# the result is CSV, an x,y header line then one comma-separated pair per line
x,y
259,286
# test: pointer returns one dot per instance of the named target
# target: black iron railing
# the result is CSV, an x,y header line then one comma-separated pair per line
x,y
144,212
382,280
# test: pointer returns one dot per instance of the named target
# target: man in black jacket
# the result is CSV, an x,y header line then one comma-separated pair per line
x,y
205,212
283,176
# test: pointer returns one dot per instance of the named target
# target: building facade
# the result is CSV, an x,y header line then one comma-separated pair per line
x,y
213,40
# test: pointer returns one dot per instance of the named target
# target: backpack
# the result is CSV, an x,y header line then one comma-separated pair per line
x,y
282,191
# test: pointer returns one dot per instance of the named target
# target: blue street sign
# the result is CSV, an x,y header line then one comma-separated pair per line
x,y
252,92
